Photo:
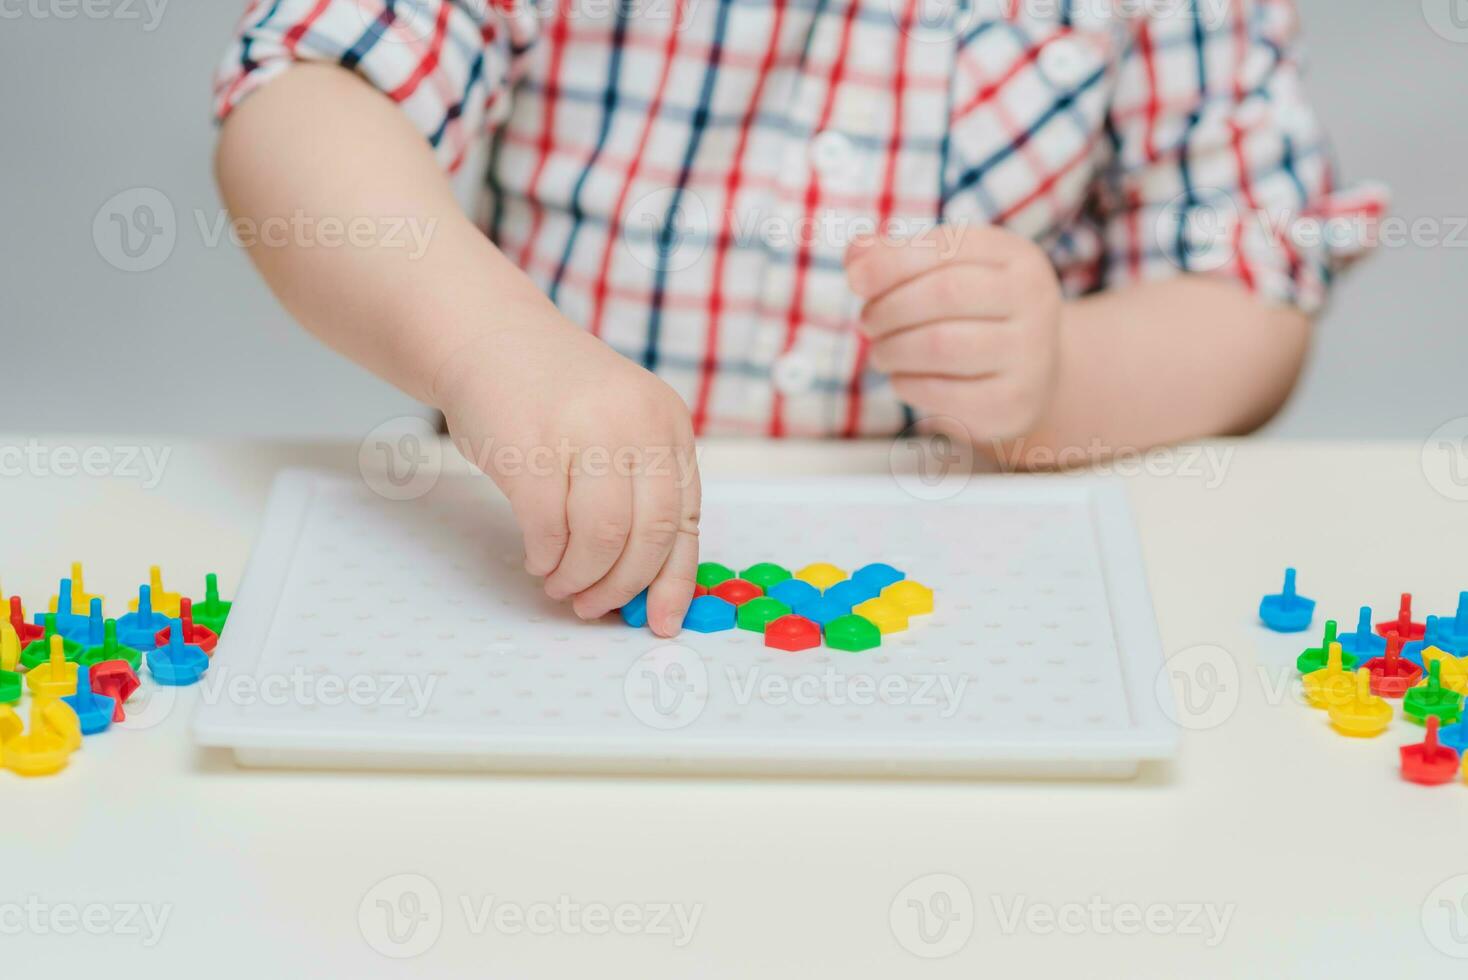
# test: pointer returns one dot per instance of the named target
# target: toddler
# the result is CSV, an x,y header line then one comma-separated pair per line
x,y
1042,223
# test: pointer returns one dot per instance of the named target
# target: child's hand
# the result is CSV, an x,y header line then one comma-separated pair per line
x,y
596,457
966,321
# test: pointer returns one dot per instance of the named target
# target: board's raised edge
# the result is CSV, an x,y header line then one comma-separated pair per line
x,y
256,600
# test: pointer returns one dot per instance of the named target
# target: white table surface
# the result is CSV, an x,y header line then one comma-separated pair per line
x,y
1319,855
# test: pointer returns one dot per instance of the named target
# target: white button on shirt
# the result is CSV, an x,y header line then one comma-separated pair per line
x,y
1064,62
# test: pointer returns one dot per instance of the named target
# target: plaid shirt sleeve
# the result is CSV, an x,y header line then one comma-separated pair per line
x,y
1219,166
446,63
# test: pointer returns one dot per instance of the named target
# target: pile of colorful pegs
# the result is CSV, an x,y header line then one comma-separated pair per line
x,y
796,610
1356,676
79,667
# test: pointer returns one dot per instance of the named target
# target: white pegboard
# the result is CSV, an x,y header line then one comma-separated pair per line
x,y
1040,658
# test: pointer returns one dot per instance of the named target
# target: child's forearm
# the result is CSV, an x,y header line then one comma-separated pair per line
x,y
1166,361
421,281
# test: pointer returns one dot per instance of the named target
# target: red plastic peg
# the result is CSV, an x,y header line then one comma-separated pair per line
x,y
1429,762
1403,625
200,636
28,632
1391,675
117,680
791,633
736,591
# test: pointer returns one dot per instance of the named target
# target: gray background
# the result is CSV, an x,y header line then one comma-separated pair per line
x,y
92,107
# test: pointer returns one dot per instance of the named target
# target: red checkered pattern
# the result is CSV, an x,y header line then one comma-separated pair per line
x,y
682,176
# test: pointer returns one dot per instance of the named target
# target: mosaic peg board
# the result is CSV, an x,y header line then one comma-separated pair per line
x,y
1040,657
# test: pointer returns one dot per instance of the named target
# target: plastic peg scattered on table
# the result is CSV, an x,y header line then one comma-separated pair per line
x,y
1432,699
80,599
1455,735
139,628
1363,715
38,652
164,602
9,648
1455,627
792,633
10,723
821,574
94,711
1403,625
118,680
1287,611
42,750
111,649
71,622
178,664
1363,644
27,632
1390,674
1429,762
1415,650
55,677
1314,658
709,614
200,636
213,611
11,683
1331,684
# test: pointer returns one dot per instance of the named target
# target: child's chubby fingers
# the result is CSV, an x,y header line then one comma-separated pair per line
x,y
539,505
599,517
960,291
875,266
657,510
991,407
671,592
947,348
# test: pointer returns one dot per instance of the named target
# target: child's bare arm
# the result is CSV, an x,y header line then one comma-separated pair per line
x,y
460,328
978,332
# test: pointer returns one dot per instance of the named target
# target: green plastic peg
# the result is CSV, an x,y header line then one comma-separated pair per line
x,y
1315,658
112,650
213,611
38,652
765,574
711,573
852,633
1432,699
759,612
